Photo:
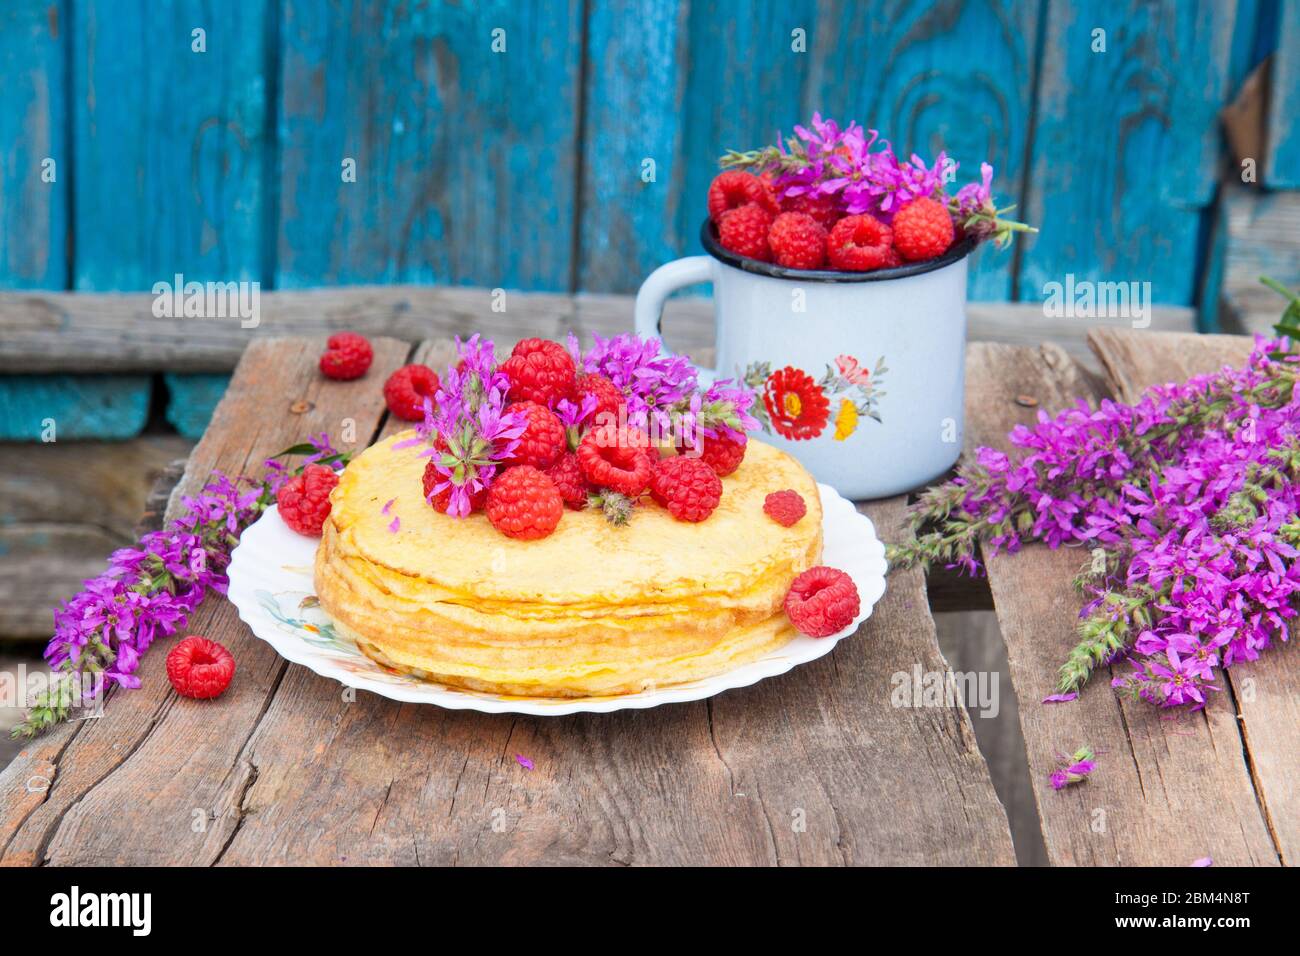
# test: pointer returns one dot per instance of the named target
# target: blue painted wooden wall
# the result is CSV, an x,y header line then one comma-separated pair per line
x,y
522,168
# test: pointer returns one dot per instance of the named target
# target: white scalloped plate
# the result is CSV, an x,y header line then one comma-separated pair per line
x,y
271,587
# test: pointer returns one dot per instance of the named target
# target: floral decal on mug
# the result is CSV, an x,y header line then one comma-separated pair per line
x,y
799,407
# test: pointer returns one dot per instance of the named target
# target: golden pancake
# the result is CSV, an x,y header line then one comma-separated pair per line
x,y
591,609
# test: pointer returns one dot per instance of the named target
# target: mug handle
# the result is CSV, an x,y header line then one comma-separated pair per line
x,y
655,290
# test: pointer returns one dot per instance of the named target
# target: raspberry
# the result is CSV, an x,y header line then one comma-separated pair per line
x,y
543,437
540,371
922,230
609,398
442,499
304,500
347,356
200,668
822,601
722,453
798,241
687,487
523,503
607,463
406,390
734,188
785,507
893,260
825,209
744,232
569,481
860,243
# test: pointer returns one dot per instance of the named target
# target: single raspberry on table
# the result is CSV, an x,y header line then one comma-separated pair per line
x,y
785,507
609,398
441,500
406,390
825,209
744,232
922,230
199,668
860,243
822,601
523,503
608,462
720,452
543,438
570,481
734,188
687,487
540,371
347,356
798,241
304,500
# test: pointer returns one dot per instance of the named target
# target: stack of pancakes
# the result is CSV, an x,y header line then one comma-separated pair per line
x,y
591,610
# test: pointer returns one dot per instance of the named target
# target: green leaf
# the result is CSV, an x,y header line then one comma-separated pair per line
x,y
1289,324
303,449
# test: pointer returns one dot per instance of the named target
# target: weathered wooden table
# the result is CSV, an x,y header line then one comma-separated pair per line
x,y
816,766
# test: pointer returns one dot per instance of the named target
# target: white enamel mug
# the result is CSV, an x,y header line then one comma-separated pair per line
x,y
860,376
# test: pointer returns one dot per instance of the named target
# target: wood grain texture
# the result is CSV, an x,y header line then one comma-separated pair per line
x,y
1169,789
103,407
191,400
81,332
907,70
170,143
465,157
1263,692
635,75
289,769
66,507
1282,161
33,129
1126,142
133,784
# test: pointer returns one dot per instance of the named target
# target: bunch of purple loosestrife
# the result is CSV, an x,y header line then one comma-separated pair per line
x,y
467,425
154,587
860,173
662,391
1189,502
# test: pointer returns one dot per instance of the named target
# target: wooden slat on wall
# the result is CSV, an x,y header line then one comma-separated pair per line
x,y
170,143
464,156
634,81
1126,142
1282,165
945,76
33,233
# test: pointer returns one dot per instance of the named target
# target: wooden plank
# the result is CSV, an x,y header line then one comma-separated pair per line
x,y
72,332
104,407
1263,238
715,782
1282,161
1168,789
191,400
66,507
633,95
1133,128
179,753
907,70
793,770
1266,692
465,158
33,210
170,143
